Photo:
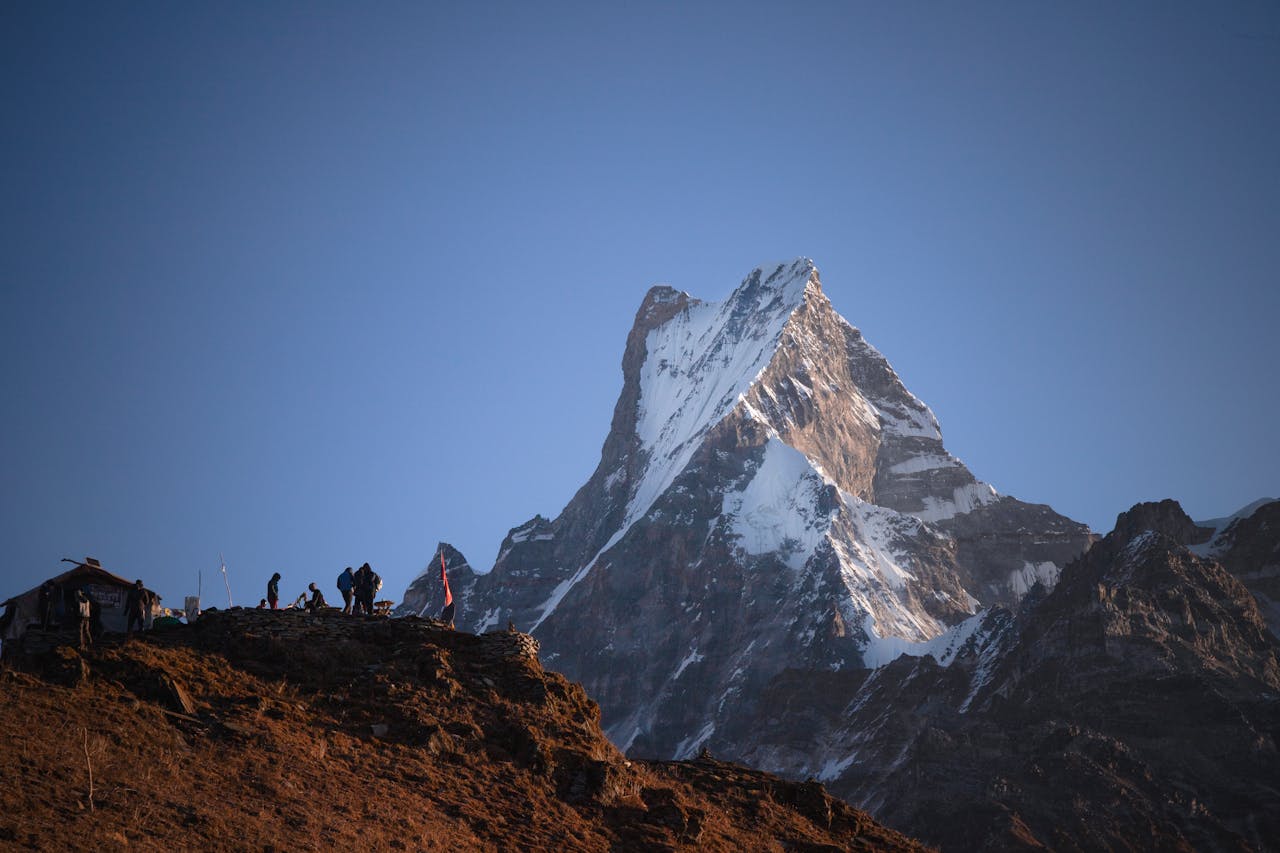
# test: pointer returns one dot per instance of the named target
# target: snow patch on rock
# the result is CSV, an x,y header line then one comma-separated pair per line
x,y
699,364
944,647
777,509
964,499
688,747
1215,543
1030,574
924,462
692,657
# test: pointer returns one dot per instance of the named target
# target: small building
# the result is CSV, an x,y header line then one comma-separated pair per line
x,y
110,591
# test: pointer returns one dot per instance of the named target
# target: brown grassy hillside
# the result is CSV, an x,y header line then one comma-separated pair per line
x,y
256,730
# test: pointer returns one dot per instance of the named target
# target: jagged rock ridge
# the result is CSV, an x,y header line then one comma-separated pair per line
x,y
425,595
1134,706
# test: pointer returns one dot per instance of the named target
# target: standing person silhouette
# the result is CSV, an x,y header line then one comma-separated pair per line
x,y
346,585
273,591
367,583
136,605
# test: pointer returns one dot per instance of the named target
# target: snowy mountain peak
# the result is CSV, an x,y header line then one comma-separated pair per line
x,y
660,300
769,496
1220,538
700,361
786,278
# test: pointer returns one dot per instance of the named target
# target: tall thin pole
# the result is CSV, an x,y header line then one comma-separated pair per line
x,y
224,577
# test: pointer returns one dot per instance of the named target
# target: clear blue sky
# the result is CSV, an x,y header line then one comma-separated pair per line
x,y
314,284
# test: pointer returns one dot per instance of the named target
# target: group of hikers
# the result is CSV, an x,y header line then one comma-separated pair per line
x,y
62,605
357,588
55,604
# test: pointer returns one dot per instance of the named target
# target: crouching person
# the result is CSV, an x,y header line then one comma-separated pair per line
x,y
317,602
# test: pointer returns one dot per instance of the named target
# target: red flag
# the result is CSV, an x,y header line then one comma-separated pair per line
x,y
444,579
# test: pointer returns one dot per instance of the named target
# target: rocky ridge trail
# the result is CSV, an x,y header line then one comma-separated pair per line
x,y
260,730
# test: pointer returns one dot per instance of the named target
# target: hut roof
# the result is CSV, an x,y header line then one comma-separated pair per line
x,y
89,571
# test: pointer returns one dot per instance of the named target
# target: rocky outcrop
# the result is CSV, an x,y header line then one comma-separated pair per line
x,y
1165,518
1248,545
425,596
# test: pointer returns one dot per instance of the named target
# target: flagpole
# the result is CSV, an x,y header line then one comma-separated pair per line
x,y
444,578
224,577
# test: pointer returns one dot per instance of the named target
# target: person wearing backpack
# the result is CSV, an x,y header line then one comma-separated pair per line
x,y
367,583
346,584
357,606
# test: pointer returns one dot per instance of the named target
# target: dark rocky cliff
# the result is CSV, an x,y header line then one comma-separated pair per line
x,y
1137,706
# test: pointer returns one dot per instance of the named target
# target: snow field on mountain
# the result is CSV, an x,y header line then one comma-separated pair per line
x,y
561,590
924,462
1031,573
692,657
777,510
689,747
875,530
943,647
1213,546
695,370
964,499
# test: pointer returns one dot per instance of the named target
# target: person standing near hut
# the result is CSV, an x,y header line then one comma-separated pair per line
x,y
84,618
136,605
47,599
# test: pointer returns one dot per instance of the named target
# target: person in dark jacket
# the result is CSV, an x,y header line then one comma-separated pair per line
x,y
136,604
367,583
346,585
273,591
48,596
317,602
356,589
